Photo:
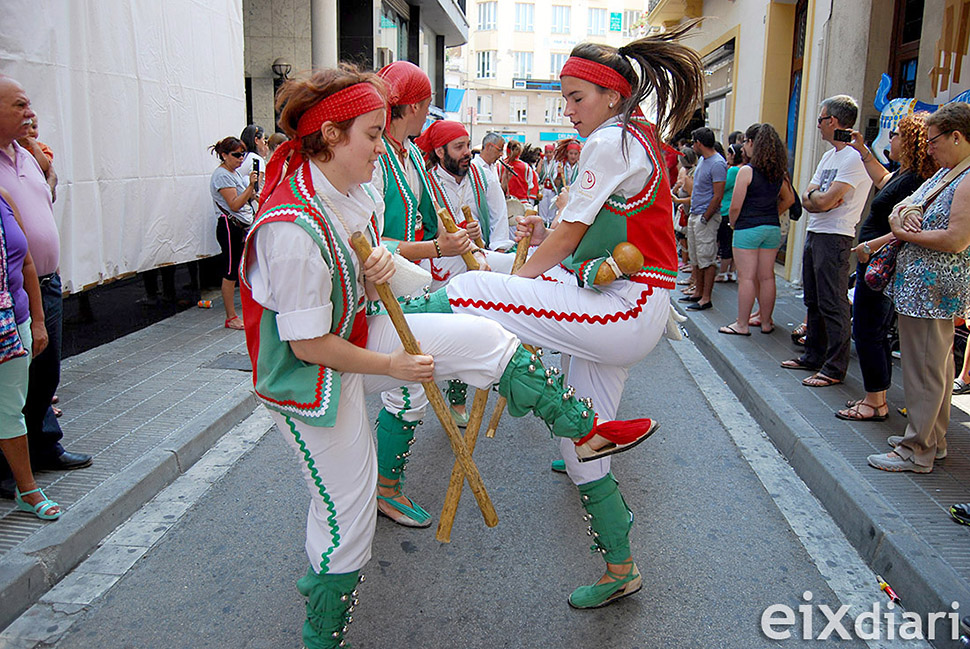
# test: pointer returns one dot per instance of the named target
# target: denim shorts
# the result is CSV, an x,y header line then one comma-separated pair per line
x,y
759,237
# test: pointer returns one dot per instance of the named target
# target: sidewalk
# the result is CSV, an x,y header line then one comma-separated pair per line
x,y
899,522
147,406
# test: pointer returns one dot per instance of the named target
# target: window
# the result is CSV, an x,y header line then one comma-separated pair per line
x,y
484,108
518,109
524,13
560,19
630,19
556,61
597,22
486,64
554,108
486,15
523,65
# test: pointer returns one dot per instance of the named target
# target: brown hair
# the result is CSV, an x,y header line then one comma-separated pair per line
x,y
913,153
298,95
768,153
514,149
226,145
954,116
671,70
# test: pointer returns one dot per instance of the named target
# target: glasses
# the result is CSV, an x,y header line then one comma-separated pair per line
x,y
893,134
238,154
823,118
938,135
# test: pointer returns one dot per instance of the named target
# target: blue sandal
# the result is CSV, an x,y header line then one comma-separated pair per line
x,y
41,509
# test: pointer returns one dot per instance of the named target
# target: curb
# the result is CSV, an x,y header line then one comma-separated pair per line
x,y
30,570
886,542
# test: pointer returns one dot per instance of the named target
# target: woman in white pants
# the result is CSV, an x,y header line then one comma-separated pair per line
x,y
315,353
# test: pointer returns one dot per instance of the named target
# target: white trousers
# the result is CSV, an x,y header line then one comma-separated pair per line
x,y
547,206
445,269
339,464
604,332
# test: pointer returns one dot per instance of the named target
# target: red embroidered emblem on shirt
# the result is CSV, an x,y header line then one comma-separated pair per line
x,y
589,179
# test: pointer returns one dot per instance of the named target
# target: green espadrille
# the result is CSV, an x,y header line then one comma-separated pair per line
x,y
599,595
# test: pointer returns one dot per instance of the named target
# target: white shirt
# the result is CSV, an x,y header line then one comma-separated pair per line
x,y
498,212
288,274
843,166
604,171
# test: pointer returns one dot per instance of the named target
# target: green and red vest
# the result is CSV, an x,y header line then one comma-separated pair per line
x,y
405,218
563,179
284,383
479,185
645,220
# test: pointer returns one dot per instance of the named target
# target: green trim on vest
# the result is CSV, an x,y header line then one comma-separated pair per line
x,y
597,244
402,211
480,187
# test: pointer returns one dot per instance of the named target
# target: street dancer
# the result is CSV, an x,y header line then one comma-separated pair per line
x,y
315,353
548,170
621,194
411,228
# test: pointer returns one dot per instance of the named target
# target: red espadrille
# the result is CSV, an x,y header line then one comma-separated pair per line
x,y
621,435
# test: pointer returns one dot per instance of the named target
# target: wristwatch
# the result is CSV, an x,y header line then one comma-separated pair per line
x,y
866,249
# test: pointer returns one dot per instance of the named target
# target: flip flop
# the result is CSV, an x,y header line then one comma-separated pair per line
x,y
796,364
820,381
731,331
768,331
235,323
847,414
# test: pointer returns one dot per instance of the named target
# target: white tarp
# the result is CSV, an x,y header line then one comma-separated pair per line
x,y
129,94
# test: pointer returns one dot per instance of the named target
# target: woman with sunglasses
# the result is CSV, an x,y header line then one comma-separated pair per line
x,y
872,311
232,196
315,352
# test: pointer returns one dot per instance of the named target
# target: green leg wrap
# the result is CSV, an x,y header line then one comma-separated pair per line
x,y
330,601
530,388
457,392
436,302
609,518
394,439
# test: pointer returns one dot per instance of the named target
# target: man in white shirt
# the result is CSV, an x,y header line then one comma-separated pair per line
x,y
499,231
834,201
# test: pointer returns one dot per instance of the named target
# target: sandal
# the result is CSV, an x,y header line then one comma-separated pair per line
x,y
599,595
818,380
854,414
797,364
412,515
235,323
731,331
620,436
769,330
798,333
40,510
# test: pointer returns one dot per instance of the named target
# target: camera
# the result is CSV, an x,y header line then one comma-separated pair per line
x,y
842,135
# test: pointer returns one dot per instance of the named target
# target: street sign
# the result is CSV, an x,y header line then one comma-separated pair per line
x,y
616,22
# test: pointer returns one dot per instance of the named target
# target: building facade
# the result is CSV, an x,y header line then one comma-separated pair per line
x,y
510,68
297,35
776,61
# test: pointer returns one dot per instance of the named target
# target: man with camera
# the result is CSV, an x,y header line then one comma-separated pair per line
x,y
834,201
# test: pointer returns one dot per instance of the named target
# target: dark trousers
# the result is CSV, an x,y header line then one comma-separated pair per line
x,y
43,432
825,278
872,317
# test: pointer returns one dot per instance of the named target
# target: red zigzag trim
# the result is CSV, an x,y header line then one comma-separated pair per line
x,y
555,315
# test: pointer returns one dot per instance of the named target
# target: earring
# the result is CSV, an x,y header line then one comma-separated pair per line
x,y
611,104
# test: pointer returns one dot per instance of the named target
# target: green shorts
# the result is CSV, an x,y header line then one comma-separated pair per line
x,y
766,237
13,389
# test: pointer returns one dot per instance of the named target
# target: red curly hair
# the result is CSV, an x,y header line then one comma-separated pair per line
x,y
913,149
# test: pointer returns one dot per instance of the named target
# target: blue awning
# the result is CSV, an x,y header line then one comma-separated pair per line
x,y
453,99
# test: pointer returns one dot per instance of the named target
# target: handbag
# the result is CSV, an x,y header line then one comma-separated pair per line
x,y
11,346
795,211
882,264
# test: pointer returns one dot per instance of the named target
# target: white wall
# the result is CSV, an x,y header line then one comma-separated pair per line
x,y
129,95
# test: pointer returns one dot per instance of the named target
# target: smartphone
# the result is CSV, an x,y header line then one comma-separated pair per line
x,y
256,169
842,135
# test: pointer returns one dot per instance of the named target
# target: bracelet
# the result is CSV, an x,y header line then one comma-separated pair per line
x,y
866,160
437,248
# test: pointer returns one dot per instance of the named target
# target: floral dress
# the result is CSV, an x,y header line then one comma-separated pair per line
x,y
931,283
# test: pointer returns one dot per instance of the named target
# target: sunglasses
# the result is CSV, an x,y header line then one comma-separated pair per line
x,y
238,154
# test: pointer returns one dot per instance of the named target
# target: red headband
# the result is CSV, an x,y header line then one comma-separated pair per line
x,y
353,101
602,75
440,133
574,146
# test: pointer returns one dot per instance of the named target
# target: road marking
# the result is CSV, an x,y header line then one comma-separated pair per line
x,y
840,565
48,620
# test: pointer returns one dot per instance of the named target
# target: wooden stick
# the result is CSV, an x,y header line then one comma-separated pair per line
x,y
520,254
467,211
453,495
464,458
470,262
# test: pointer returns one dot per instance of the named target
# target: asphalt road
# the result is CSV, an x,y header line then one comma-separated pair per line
x,y
715,548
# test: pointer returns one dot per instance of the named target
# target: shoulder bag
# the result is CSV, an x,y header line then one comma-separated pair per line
x,y
11,346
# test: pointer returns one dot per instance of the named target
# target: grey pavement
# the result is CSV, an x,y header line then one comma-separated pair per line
x,y
899,522
146,406
712,545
